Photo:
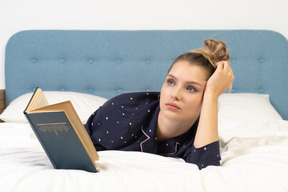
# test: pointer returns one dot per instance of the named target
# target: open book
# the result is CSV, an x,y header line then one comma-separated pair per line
x,y
61,133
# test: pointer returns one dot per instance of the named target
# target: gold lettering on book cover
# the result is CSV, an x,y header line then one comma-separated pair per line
x,y
53,127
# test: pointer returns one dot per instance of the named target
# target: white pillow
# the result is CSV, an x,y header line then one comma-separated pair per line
x,y
247,106
84,104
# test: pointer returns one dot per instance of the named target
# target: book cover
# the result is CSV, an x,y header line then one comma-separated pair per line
x,y
61,134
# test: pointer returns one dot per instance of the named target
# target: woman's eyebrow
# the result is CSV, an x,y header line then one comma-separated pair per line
x,y
188,82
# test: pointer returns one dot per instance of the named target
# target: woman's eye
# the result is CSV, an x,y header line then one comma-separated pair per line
x,y
191,89
170,82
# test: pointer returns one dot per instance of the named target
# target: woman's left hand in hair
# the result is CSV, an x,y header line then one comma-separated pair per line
x,y
221,79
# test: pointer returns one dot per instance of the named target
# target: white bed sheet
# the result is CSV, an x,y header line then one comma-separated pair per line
x,y
254,158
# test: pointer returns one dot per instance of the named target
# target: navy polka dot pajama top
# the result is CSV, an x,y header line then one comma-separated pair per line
x,y
128,122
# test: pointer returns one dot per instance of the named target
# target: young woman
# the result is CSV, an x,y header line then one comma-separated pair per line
x,y
180,121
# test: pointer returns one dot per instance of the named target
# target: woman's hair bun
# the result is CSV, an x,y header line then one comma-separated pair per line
x,y
214,51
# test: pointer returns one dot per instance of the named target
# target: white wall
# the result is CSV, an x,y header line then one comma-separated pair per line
x,y
16,15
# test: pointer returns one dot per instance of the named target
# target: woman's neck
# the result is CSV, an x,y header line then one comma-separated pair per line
x,y
170,128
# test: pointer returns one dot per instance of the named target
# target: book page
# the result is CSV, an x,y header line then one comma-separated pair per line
x,y
38,100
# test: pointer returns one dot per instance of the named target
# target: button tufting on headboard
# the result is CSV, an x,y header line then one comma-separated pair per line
x,y
148,61
114,62
262,90
34,60
62,60
232,61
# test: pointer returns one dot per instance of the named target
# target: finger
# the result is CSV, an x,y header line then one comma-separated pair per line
x,y
226,65
222,64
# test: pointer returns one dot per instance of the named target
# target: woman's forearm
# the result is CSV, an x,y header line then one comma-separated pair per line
x,y
207,131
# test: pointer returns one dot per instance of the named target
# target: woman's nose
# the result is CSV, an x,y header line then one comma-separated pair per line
x,y
176,94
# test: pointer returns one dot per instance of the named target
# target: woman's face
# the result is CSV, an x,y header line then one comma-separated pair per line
x,y
182,92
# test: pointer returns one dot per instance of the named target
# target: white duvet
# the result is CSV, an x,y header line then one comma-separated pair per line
x,y
254,158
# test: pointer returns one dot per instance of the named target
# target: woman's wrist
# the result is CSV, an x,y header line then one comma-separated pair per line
x,y
211,95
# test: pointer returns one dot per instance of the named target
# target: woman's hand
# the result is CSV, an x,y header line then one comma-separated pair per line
x,y
221,79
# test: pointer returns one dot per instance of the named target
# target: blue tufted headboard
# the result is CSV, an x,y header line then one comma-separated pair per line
x,y
107,63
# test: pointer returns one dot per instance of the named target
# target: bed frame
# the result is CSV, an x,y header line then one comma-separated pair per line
x,y
2,101
107,63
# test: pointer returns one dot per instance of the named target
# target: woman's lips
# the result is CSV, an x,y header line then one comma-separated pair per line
x,y
173,106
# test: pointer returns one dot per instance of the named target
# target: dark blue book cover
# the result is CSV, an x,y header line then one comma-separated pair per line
x,y
65,146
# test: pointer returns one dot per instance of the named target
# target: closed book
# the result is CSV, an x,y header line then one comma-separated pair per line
x,y
61,134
